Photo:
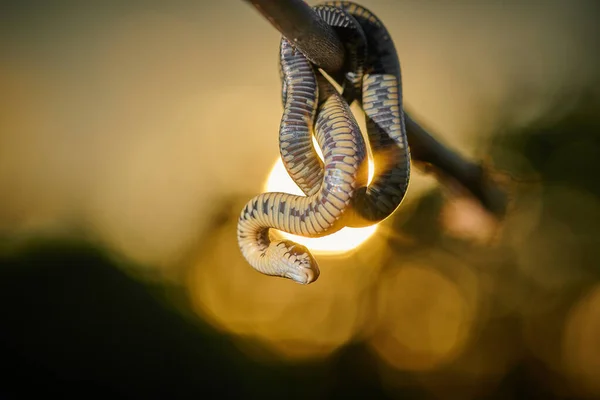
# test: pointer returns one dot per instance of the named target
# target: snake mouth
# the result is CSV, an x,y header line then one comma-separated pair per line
x,y
303,275
297,278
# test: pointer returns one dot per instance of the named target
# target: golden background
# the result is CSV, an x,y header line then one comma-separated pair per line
x,y
142,128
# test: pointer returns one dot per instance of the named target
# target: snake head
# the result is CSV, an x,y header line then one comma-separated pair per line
x,y
297,263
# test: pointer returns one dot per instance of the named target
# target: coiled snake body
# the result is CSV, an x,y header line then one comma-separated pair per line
x,y
336,188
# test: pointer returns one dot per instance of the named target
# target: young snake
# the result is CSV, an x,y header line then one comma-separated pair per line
x,y
336,190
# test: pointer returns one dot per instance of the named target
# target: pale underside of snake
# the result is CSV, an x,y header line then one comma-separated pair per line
x,y
336,191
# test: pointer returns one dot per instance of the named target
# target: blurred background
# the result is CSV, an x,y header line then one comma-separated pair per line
x,y
133,133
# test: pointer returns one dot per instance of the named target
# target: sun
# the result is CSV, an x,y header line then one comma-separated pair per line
x,y
342,241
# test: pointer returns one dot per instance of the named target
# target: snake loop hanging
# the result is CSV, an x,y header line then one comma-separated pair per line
x,y
336,188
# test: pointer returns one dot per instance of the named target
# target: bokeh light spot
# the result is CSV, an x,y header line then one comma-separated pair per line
x,y
581,343
426,319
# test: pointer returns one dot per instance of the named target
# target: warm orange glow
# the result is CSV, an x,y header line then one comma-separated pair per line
x,y
340,242
421,332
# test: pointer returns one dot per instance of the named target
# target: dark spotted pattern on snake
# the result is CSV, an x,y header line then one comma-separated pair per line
x,y
336,189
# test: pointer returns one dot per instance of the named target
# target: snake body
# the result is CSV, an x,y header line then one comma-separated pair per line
x,y
297,73
376,83
336,188
345,170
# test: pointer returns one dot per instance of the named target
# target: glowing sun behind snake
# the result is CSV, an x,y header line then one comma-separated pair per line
x,y
340,242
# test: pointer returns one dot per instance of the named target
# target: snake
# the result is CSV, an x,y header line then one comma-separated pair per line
x,y
309,95
336,190
372,77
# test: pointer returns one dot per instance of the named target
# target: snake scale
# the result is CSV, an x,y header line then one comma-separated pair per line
x,y
336,190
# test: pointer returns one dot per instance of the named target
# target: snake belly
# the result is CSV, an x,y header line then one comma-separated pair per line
x,y
322,212
373,79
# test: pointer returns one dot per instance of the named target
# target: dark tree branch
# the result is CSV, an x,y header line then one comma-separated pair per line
x,y
450,165
296,21
299,24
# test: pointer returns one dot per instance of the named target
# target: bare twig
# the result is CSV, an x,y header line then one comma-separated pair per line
x,y
299,24
451,166
296,21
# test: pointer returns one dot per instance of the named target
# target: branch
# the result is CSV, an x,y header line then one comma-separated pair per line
x,y
296,21
450,166
299,24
